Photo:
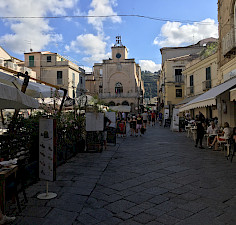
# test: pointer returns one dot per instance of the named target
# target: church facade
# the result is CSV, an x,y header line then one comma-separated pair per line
x,y
118,79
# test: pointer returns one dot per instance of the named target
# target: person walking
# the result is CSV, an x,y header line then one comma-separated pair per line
x,y
139,124
153,115
200,133
160,118
133,125
145,119
149,118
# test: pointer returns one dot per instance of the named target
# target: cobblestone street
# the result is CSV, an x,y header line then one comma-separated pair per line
x,y
160,178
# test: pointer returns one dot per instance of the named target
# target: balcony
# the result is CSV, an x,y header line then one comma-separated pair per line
x,y
118,95
190,90
206,85
179,79
228,43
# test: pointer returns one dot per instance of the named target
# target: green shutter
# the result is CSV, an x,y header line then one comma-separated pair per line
x,y
31,60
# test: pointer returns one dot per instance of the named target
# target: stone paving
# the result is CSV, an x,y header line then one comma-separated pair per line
x,y
160,178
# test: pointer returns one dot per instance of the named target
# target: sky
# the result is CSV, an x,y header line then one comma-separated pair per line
x,y
79,33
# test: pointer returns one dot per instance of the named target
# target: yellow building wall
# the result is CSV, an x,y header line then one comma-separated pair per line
x,y
198,71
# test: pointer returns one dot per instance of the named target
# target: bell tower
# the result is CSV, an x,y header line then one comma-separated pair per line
x,y
119,51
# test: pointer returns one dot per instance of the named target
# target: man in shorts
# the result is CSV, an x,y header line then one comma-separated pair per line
x,y
145,118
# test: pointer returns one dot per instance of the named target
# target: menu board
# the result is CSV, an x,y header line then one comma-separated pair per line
x,y
94,121
112,117
47,156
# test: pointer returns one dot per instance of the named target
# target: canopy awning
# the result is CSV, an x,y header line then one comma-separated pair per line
x,y
121,108
185,101
233,95
34,90
209,97
12,98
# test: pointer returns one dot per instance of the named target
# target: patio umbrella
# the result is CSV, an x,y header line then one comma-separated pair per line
x,y
12,98
34,90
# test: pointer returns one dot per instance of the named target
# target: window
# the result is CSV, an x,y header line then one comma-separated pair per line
x,y
49,58
191,81
208,78
31,60
178,75
100,72
208,73
178,93
100,87
118,88
59,77
81,80
178,72
73,79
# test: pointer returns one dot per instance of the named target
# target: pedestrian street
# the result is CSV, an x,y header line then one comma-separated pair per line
x,y
159,178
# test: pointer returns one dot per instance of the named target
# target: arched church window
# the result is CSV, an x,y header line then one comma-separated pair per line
x,y
118,88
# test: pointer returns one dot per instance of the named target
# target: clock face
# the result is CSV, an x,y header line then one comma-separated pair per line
x,y
118,55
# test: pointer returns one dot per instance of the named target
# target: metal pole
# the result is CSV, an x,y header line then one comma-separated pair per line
x,y
46,188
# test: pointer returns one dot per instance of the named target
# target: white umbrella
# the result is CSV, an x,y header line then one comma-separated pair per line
x,y
12,98
35,90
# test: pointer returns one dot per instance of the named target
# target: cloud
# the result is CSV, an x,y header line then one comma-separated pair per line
x,y
91,45
31,33
102,8
176,34
87,69
149,65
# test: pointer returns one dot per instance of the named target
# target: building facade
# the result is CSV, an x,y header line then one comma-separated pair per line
x,y
57,70
201,76
172,83
12,65
227,58
117,80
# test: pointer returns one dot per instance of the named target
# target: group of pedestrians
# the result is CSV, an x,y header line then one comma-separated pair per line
x,y
139,123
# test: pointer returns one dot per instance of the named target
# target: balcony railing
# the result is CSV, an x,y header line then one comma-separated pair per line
x,y
206,85
118,95
179,78
190,90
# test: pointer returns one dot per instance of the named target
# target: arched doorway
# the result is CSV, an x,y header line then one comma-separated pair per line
x,y
125,103
111,103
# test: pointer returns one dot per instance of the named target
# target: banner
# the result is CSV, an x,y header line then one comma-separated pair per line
x,y
47,149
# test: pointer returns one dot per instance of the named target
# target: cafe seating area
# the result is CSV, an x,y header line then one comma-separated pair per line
x,y
221,146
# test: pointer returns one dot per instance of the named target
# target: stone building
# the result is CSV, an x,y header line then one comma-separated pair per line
x,y
57,70
171,84
117,80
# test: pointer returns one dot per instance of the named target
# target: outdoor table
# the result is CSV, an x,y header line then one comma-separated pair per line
x,y
5,172
194,132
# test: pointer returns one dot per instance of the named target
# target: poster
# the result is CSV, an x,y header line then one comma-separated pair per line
x,y
175,120
94,121
47,156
